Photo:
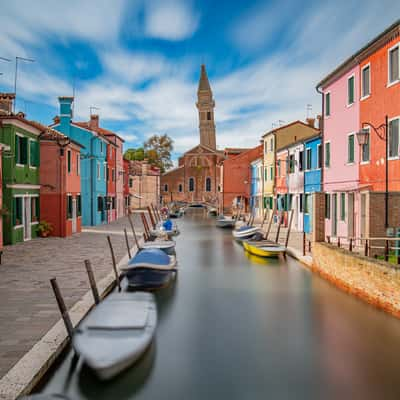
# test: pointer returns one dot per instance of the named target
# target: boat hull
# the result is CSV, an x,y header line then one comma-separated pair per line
x,y
148,279
225,223
116,333
264,251
245,233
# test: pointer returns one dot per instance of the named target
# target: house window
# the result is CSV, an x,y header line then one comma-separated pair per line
x,y
350,149
107,174
34,209
165,188
113,175
327,206
265,174
69,161
100,202
301,202
79,205
208,185
350,90
78,164
366,81
98,171
69,206
328,104
208,115
342,206
272,144
327,154
291,163
394,64
18,211
365,149
113,203
301,160
272,173
33,153
130,182
105,171
265,146
191,185
180,188
394,138
319,147
101,146
279,168
308,159
21,150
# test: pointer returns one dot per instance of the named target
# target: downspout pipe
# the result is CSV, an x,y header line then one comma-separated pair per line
x,y
322,130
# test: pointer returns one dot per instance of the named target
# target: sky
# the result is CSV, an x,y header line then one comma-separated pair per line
x,y
139,62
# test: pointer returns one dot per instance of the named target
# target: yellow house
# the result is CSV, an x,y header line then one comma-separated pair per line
x,y
276,139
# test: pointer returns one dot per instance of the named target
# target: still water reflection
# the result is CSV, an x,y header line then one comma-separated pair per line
x,y
236,326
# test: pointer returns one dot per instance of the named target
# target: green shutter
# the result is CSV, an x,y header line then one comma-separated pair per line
x,y
351,149
16,149
350,82
328,104
24,150
342,206
14,214
32,153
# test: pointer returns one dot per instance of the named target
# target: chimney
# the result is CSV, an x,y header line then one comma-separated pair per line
x,y
65,114
56,120
6,103
310,122
319,119
94,121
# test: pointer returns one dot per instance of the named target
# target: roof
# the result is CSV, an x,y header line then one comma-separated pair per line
x,y
101,131
204,84
259,148
392,31
20,117
275,130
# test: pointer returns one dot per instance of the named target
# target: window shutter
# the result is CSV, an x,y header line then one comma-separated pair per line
x,y
24,150
15,210
16,149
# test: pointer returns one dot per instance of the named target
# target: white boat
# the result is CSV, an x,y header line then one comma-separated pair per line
x,y
225,222
116,333
245,232
168,246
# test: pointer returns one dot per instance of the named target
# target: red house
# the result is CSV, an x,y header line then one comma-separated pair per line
x,y
60,183
236,180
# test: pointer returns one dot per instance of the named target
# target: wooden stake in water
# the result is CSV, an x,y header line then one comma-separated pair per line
x,y
92,282
114,264
62,307
279,227
127,243
289,228
153,222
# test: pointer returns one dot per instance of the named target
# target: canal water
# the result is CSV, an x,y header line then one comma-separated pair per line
x,y
235,326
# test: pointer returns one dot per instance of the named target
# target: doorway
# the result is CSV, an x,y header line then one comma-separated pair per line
x,y
74,215
350,215
334,215
27,218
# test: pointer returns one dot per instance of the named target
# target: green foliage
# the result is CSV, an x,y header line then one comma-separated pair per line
x,y
44,227
157,150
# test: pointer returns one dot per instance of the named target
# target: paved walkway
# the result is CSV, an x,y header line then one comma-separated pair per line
x,y
27,305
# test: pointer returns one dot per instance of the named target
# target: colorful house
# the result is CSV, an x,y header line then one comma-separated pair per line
x,y
256,189
312,177
111,183
60,183
274,140
21,189
237,178
93,163
281,181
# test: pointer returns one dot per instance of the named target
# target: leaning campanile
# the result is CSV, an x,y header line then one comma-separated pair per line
x,y
205,104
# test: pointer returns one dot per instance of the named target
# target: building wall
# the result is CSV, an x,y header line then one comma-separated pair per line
x,y
111,182
147,187
120,177
256,190
269,162
382,101
237,177
341,176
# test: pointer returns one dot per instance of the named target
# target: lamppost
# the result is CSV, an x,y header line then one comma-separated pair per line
x,y
382,133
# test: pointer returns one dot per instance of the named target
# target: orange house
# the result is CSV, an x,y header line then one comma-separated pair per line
x,y
60,183
380,97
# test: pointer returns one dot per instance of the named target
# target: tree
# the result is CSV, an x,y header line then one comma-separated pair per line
x,y
158,150
135,154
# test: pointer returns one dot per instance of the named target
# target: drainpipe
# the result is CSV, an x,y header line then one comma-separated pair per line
x,y
321,128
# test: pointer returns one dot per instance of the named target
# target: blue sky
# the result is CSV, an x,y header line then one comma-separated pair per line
x,y
139,61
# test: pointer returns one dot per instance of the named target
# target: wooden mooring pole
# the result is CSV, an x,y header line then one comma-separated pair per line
x,y
304,243
152,220
127,243
114,263
92,282
133,231
279,228
289,228
62,307
270,223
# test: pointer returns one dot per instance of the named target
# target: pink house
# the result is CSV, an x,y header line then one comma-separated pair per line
x,y
341,151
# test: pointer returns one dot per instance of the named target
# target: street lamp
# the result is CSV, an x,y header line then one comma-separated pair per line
x,y
382,133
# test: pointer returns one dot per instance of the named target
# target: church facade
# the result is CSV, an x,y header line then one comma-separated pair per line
x,y
197,177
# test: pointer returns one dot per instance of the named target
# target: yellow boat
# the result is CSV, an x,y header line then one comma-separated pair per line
x,y
264,251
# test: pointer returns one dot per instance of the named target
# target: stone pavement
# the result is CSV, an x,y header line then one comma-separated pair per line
x,y
27,305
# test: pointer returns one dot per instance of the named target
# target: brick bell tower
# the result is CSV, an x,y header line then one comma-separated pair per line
x,y
205,104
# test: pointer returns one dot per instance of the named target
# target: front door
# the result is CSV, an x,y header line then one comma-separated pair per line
x,y
74,215
334,215
27,218
350,215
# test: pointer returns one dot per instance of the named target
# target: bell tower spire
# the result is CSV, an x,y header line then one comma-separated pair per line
x,y
205,104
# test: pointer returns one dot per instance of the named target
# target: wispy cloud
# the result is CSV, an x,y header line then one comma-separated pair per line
x,y
170,19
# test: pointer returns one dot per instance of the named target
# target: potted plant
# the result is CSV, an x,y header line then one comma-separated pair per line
x,y
44,228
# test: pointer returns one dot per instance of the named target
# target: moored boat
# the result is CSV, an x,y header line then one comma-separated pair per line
x,y
225,222
150,258
116,333
148,278
46,397
264,251
245,232
167,246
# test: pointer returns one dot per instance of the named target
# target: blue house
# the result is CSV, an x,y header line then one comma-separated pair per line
x,y
312,176
93,164
256,187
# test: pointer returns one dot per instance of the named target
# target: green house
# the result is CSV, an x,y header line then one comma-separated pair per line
x,y
21,187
